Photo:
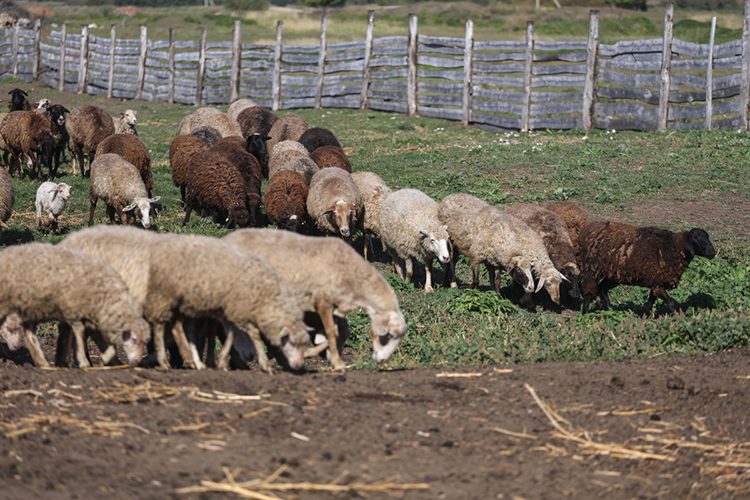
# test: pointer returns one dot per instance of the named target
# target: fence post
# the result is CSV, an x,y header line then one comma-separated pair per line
x,y
468,62
276,82
112,43
142,63
666,69
170,96
83,61
368,56
710,78
526,109
745,72
411,85
321,62
16,34
37,50
236,61
592,50
61,76
201,69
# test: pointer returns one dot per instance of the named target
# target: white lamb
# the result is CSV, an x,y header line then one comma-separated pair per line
x,y
51,200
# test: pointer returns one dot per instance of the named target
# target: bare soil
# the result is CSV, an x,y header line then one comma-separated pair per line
x,y
647,428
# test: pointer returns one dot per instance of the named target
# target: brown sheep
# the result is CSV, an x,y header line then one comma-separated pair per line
x,y
287,128
87,127
181,152
132,150
331,156
233,149
18,101
614,253
317,137
286,200
209,135
7,196
27,133
573,217
256,120
56,116
218,186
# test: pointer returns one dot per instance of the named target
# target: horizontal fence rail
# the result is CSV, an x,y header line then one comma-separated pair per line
x,y
646,85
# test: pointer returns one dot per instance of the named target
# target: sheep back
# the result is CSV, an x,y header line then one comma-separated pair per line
x,y
181,152
223,123
218,185
403,215
573,217
238,107
286,199
317,137
331,156
132,150
88,126
287,128
256,119
328,188
233,149
116,181
209,135
195,120
374,191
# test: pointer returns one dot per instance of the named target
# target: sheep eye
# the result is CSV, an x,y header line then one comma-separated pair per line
x,y
126,335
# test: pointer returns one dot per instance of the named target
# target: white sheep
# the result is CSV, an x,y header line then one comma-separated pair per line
x,y
126,122
238,107
328,277
51,200
374,191
291,155
334,202
410,228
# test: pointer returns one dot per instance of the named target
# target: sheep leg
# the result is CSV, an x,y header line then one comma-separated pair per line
x,y
79,335
474,273
211,344
229,331
64,344
494,277
660,293
187,348
325,311
367,244
428,277
161,351
123,217
92,201
409,269
182,194
33,345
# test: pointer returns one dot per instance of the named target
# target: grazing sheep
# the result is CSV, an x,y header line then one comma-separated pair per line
x,y
257,146
286,200
556,239
233,149
195,120
218,186
238,107
614,253
291,155
71,287
287,128
87,126
317,137
331,156
132,150
181,151
56,115
256,120
126,123
574,218
374,191
120,185
27,134
222,122
7,196
334,202
3,145
51,200
410,228
328,277
208,135
18,101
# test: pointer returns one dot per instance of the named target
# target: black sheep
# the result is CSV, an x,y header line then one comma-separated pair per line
x,y
18,101
316,137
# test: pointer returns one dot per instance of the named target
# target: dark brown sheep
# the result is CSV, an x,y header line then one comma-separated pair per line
x,y
573,217
132,150
219,187
331,156
56,116
286,199
27,134
614,254
87,127
317,137
233,149
181,152
256,120
18,101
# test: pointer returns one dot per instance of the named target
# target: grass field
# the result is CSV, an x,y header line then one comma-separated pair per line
x,y
676,180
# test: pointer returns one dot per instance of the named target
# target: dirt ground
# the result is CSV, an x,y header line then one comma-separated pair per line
x,y
665,427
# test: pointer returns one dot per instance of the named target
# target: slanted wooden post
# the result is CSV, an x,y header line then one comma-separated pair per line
x,y
142,63
411,85
368,56
112,44
236,61
710,78
666,69
37,50
201,69
528,59
83,61
321,62
468,62
170,96
61,74
592,50
16,35
745,72
276,82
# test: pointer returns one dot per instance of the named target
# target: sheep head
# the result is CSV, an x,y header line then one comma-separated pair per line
x,y
571,272
344,217
550,280
62,190
142,207
291,223
437,244
11,331
240,216
519,269
288,347
57,114
133,337
129,117
698,243
256,146
17,100
386,331
43,104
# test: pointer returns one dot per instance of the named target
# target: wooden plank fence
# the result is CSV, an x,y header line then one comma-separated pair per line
x,y
646,85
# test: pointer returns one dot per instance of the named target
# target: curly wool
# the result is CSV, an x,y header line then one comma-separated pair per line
x,y
574,218
233,149
182,149
331,156
287,128
209,135
195,120
318,137
238,107
7,195
28,133
132,150
217,185
286,197
256,120
87,126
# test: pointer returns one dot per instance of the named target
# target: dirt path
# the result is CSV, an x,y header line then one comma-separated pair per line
x,y
471,432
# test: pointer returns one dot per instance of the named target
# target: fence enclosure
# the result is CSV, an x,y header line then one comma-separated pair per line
x,y
656,84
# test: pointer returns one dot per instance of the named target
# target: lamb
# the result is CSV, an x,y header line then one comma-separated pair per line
x,y
56,115
218,186
256,120
286,200
614,253
7,196
574,218
51,200
18,101
71,287
410,228
126,123
287,128
132,150
556,239
334,202
208,135
120,185
331,156
87,126
238,107
317,137
195,120
181,151
329,278
233,149
291,155
27,133
374,191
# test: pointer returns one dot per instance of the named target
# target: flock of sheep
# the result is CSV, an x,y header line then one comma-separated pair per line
x,y
274,289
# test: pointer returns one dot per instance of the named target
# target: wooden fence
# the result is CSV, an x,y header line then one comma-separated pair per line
x,y
655,84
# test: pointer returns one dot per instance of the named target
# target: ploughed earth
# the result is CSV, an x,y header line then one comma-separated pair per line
x,y
669,427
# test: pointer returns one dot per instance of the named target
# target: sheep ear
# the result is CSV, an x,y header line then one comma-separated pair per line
x,y
122,114
562,276
154,199
330,210
134,112
129,207
540,285
423,234
65,110
266,138
353,208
